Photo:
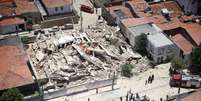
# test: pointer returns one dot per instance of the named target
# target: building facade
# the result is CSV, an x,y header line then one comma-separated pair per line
x,y
160,48
190,6
57,7
10,25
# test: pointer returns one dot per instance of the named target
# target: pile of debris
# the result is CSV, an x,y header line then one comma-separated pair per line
x,y
62,58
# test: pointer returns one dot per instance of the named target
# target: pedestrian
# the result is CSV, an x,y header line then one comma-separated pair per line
x,y
96,90
161,99
167,97
146,82
149,79
134,98
88,99
152,77
137,96
127,97
121,99
131,97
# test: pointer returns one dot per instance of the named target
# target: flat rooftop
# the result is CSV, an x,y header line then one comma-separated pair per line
x,y
145,28
159,40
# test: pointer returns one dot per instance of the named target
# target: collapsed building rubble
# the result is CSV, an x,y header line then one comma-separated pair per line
x,y
64,58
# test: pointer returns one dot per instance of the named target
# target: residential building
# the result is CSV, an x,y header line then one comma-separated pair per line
x,y
190,6
57,7
131,28
22,8
160,48
18,12
10,25
15,69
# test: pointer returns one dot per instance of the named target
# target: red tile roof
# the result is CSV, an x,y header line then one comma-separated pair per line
x,y
182,43
3,1
139,6
14,70
18,7
11,21
7,8
125,10
25,6
193,97
56,3
172,6
194,30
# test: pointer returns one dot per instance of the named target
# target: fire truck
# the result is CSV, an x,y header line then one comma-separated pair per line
x,y
87,9
185,81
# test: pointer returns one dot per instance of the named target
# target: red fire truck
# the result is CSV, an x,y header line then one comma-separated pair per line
x,y
87,9
185,81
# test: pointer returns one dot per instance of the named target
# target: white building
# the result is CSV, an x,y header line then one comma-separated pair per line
x,y
190,6
160,48
133,27
57,7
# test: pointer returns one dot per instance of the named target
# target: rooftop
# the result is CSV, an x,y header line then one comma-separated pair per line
x,y
195,96
145,28
121,8
159,40
25,6
17,7
135,21
172,7
56,3
14,70
11,21
182,43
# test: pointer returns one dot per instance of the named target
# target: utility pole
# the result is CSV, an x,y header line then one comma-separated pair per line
x,y
113,78
81,23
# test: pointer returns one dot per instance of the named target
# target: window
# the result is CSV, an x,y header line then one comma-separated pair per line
x,y
169,50
61,7
56,9
161,51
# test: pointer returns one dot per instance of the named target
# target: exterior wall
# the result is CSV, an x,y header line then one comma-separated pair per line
x,y
35,16
164,53
190,6
187,60
8,29
53,11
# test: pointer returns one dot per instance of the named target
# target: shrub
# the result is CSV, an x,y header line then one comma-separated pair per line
x,y
127,70
11,95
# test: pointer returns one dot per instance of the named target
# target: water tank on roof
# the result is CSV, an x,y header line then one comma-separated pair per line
x,y
1,16
166,13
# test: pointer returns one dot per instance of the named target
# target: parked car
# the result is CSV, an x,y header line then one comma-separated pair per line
x,y
54,29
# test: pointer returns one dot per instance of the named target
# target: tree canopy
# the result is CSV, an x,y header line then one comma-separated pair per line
x,y
177,63
127,70
141,43
11,95
196,60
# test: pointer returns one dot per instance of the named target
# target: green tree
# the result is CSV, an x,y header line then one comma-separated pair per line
x,y
177,64
127,70
11,95
196,60
141,43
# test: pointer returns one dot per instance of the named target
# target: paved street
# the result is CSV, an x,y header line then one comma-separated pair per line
x,y
158,89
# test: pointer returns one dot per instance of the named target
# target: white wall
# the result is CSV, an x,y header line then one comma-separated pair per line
x,y
165,54
66,9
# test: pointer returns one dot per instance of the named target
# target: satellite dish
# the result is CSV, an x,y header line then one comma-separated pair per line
x,y
1,16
